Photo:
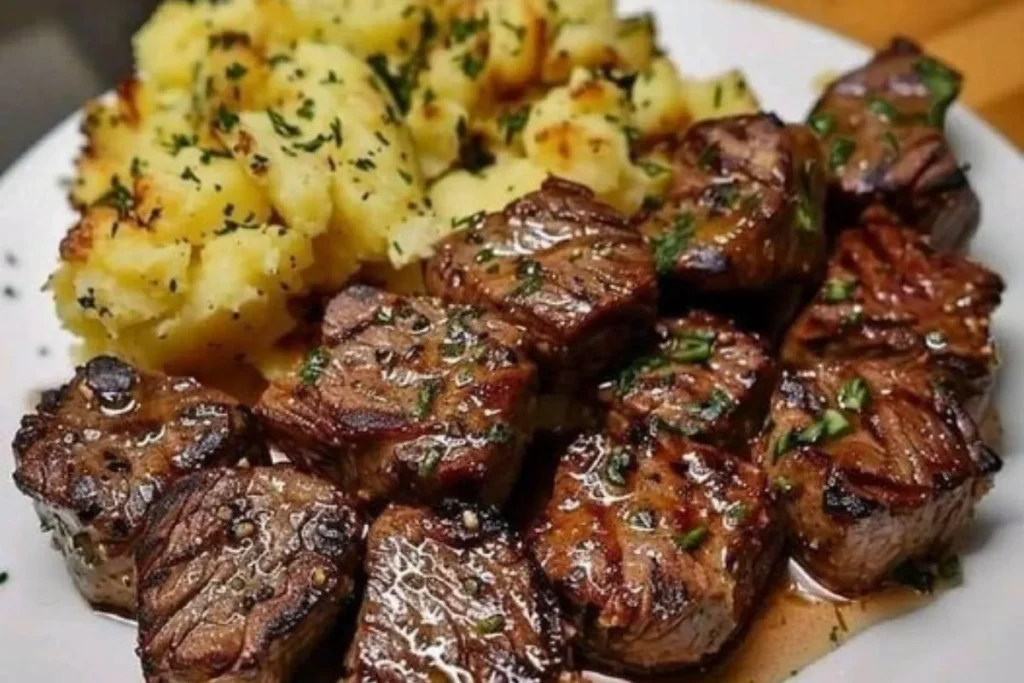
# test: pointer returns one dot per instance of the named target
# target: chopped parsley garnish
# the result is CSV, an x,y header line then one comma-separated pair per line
x,y
226,120
615,469
385,315
805,218
883,109
208,155
235,72
840,151
311,145
692,347
467,220
189,174
281,126
737,513
783,484
530,276
471,65
313,365
336,132
670,246
179,142
498,433
492,624
464,29
430,462
652,169
429,390
709,157
692,539
783,445
307,110
514,122
365,164
518,31
484,255
627,378
853,395
642,519
890,142
943,85
714,408
831,424
838,290
117,197
916,575
822,123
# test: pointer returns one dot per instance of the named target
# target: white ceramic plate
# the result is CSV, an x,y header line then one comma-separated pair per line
x,y
971,634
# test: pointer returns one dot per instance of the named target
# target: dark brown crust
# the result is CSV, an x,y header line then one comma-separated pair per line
x,y
101,449
418,400
903,300
707,381
452,589
903,168
754,190
592,292
896,483
643,597
240,572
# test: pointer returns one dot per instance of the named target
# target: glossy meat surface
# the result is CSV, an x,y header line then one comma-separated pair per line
x,y
888,294
707,380
883,130
659,552
744,209
241,572
876,464
452,596
407,398
564,266
101,449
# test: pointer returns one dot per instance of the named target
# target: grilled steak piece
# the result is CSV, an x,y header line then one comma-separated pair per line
x,y
882,127
744,210
877,465
102,448
452,595
707,381
407,398
241,572
660,551
890,295
564,266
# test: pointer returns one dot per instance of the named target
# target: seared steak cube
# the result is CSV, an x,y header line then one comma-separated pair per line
x,y
659,551
877,465
101,449
562,265
407,398
707,381
744,209
241,571
452,595
890,295
882,127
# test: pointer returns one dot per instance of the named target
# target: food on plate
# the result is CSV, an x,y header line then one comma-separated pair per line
x,y
407,398
241,572
659,551
707,380
888,294
563,265
266,152
101,449
883,129
876,464
453,595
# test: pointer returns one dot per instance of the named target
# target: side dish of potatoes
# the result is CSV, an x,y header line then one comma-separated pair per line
x,y
268,151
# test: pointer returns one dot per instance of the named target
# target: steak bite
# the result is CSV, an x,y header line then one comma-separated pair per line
x,y
890,295
241,572
659,551
564,266
882,127
452,595
707,381
98,452
743,211
877,465
407,398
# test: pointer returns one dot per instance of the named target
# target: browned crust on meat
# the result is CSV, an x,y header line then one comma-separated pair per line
x,y
566,267
453,590
707,381
658,552
894,478
416,400
240,572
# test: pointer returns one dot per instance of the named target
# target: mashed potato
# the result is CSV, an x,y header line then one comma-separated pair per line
x,y
268,151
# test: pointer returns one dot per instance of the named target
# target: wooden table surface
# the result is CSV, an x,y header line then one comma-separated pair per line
x,y
982,38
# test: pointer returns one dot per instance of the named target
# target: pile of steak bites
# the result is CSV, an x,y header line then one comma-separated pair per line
x,y
788,358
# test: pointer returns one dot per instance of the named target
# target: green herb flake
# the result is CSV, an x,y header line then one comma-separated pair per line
x,y
669,247
619,461
943,85
490,625
629,375
737,513
718,403
464,29
235,72
531,278
891,143
709,157
838,290
429,390
471,65
652,169
784,444
806,220
694,346
313,365
822,123
783,484
281,126
430,462
484,255
117,197
853,395
692,539
499,433
834,423
642,519
883,109
189,174
916,575
513,123
336,132
950,570
840,151
385,315
226,120
307,110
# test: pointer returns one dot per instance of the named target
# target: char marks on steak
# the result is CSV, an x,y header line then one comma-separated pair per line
x,y
707,381
407,398
659,551
241,572
453,595
883,130
565,267
102,448
877,465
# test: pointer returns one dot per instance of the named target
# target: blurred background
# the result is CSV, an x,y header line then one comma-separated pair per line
x,y
54,54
